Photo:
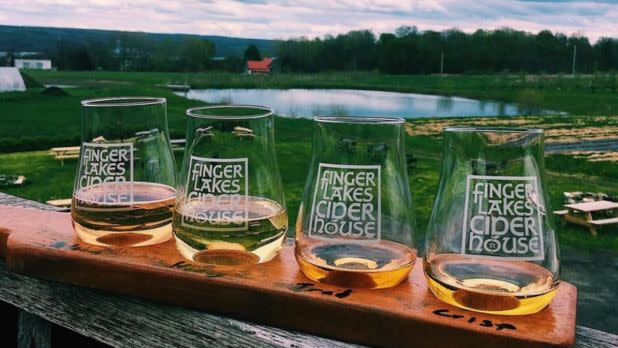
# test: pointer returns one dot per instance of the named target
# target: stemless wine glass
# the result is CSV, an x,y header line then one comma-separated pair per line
x,y
125,184
355,224
491,244
230,208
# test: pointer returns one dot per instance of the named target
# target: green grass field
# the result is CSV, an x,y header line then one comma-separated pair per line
x,y
585,95
31,121
49,179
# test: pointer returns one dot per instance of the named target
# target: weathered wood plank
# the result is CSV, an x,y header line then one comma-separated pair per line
x,y
130,322
127,321
589,338
20,202
32,331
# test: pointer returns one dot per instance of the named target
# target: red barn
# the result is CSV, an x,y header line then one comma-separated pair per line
x,y
263,66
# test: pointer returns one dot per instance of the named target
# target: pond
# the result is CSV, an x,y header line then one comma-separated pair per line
x,y
341,102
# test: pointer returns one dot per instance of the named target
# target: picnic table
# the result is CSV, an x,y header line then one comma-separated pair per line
x,y
582,214
124,321
69,152
178,144
62,153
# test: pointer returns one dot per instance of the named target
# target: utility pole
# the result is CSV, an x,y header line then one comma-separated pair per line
x,y
574,54
442,64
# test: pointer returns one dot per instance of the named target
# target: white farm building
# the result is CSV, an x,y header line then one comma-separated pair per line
x,y
44,64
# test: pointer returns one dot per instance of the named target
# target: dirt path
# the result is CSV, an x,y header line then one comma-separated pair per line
x,y
605,145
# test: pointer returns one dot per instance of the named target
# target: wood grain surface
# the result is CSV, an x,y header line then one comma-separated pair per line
x,y
126,321
42,244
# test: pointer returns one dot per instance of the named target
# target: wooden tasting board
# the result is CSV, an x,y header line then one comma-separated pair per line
x,y
42,244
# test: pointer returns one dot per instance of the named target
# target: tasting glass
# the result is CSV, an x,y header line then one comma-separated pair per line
x,y
355,224
490,243
124,187
230,208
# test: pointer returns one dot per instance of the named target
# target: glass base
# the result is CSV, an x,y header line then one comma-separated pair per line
x,y
222,253
338,265
495,286
124,239
490,303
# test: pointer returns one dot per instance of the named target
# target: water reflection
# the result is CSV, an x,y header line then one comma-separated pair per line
x,y
341,102
445,104
331,110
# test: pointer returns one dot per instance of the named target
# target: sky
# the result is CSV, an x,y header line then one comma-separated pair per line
x,y
283,19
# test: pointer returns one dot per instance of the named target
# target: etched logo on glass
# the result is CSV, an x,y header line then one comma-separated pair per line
x,y
106,174
220,188
346,203
502,218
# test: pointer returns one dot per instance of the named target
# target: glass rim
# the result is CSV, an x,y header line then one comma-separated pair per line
x,y
493,130
360,119
123,101
266,112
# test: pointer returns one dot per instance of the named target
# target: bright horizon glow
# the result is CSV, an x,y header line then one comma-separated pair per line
x,y
283,19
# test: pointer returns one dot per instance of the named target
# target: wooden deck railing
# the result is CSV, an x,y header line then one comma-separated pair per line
x,y
131,322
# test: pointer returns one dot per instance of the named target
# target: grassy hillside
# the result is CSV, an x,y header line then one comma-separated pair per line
x,y
30,120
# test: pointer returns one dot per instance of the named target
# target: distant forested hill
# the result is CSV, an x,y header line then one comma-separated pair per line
x,y
40,39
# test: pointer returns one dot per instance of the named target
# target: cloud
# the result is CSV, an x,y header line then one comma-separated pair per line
x,y
289,18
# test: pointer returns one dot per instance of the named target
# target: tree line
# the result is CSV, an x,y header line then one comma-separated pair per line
x,y
411,51
132,51
405,51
